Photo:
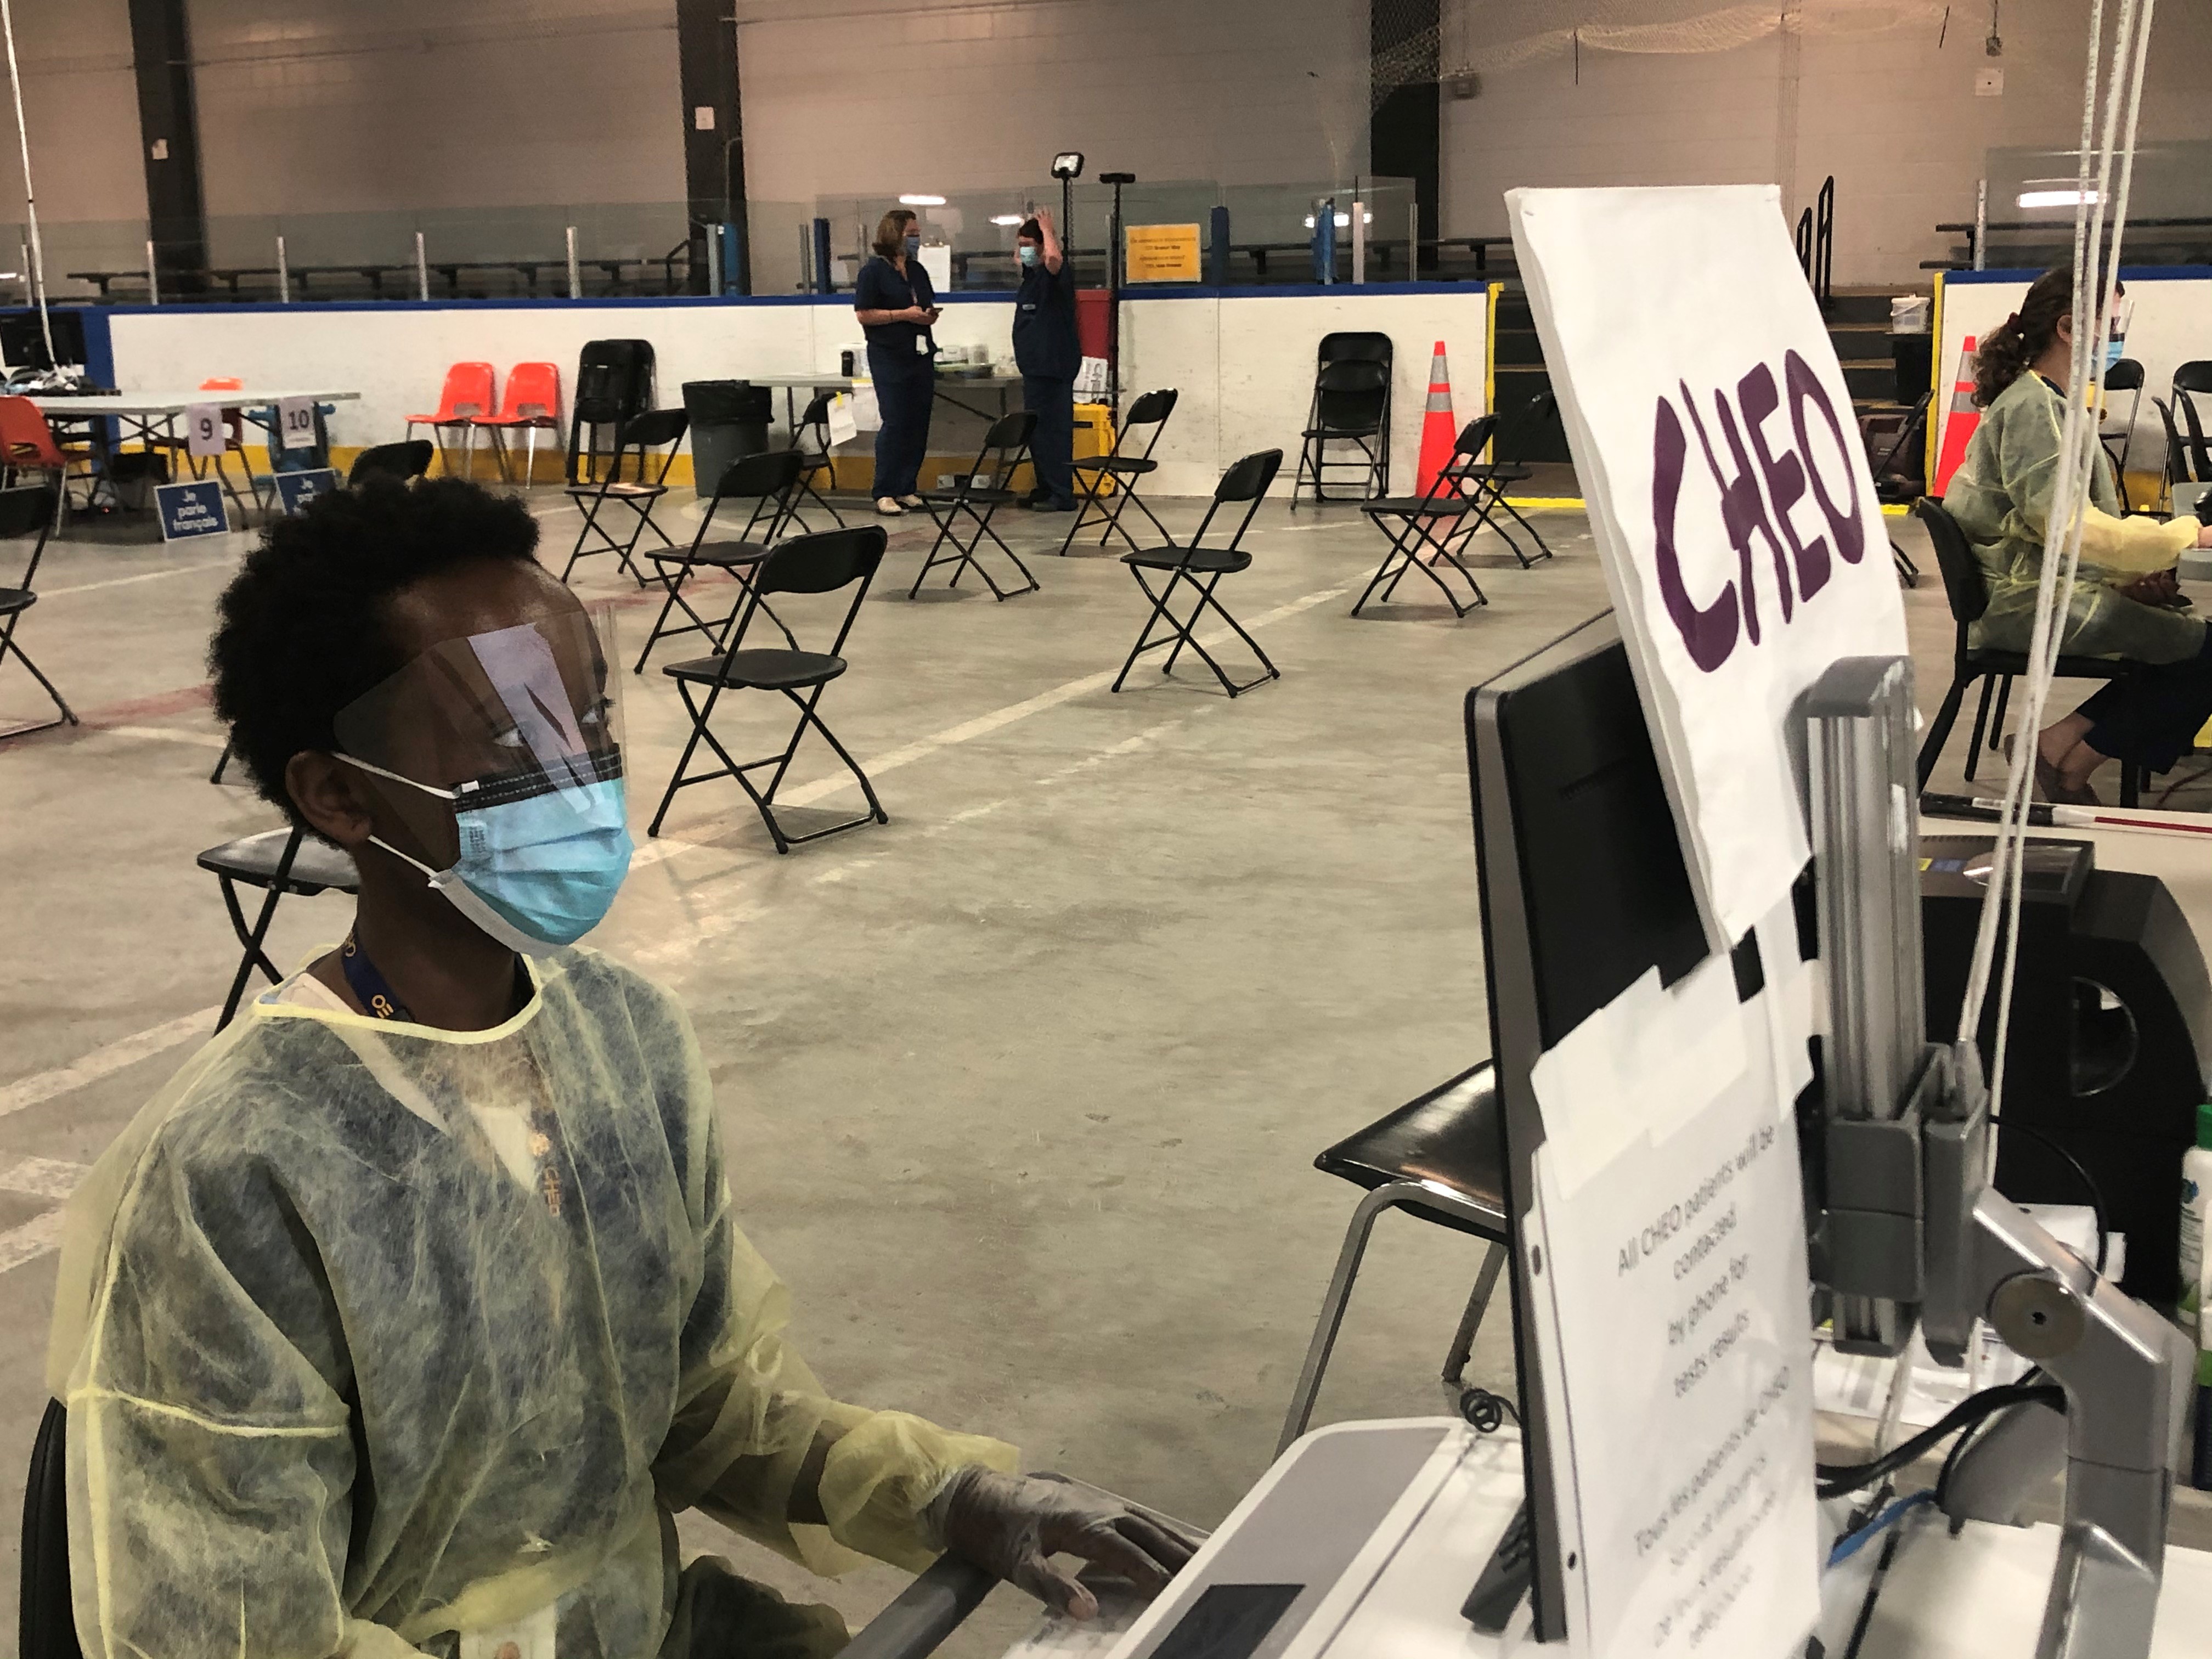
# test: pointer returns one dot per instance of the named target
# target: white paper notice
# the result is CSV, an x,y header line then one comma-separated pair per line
x,y
295,422
1728,495
867,414
203,430
1678,1287
844,426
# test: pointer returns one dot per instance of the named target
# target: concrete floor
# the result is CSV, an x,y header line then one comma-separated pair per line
x,y
1023,1090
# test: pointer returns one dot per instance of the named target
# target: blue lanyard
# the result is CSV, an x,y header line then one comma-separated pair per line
x,y
373,991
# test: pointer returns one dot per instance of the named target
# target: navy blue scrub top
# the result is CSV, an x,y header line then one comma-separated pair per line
x,y
880,288
1045,342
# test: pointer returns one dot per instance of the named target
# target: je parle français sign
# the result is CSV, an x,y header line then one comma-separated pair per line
x,y
1728,494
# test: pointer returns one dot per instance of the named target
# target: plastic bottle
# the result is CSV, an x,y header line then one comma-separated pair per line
x,y
2195,1223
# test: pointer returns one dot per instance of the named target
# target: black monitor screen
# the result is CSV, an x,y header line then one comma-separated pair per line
x,y
23,343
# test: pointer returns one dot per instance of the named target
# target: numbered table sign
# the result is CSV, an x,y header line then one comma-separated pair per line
x,y
203,430
295,490
191,509
295,423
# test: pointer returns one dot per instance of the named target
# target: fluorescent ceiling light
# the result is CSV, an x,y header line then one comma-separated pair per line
x,y
1005,218
2042,198
1343,220
922,201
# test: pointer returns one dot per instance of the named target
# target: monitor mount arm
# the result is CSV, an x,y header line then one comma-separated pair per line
x,y
1913,1233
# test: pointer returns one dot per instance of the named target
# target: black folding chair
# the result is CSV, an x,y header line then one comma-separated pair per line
x,y
27,510
2191,381
770,480
2125,376
1005,445
1429,524
1202,567
1093,473
401,461
811,441
1488,481
1351,407
1968,594
278,861
643,437
821,564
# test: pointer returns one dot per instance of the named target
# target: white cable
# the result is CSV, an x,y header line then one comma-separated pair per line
x,y
30,201
2120,108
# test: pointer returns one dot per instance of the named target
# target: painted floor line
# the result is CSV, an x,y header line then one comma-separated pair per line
x,y
41,1177
165,734
34,1238
106,1061
143,576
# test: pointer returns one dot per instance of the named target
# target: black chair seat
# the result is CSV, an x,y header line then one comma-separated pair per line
x,y
318,866
1451,1135
1342,432
949,497
636,489
763,670
1211,560
1496,472
13,599
723,555
1133,466
1442,507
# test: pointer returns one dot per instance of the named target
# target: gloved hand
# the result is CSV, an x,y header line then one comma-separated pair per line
x,y
1012,1525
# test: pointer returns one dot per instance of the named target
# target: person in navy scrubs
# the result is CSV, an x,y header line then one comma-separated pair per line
x,y
1047,354
896,306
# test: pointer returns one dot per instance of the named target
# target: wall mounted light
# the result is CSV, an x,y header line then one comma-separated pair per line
x,y
2053,198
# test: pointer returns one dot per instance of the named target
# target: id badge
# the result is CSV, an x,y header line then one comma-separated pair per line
x,y
922,345
532,1637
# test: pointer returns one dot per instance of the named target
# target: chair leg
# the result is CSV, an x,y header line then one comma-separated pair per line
x,y
67,715
223,761
2131,779
1997,720
1478,1303
1939,729
1981,722
1331,1313
254,940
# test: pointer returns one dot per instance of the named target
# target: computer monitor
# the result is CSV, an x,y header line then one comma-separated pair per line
x,y
1584,889
23,342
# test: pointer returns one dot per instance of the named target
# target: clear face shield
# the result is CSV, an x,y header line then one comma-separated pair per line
x,y
2116,330
499,755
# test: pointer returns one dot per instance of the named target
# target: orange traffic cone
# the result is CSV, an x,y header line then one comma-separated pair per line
x,y
1960,421
1438,431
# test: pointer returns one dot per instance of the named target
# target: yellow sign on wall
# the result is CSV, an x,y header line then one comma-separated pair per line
x,y
1162,253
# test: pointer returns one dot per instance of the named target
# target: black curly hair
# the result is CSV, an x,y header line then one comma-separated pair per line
x,y
300,631
2007,351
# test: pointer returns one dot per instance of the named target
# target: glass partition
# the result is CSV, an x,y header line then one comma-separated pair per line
x,y
2032,195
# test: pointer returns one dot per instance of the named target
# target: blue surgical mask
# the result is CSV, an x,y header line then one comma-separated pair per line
x,y
1027,254
2114,349
536,873
913,246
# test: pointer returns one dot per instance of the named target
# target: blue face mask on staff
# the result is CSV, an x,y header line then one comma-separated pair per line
x,y
1027,254
536,873
913,246
2113,351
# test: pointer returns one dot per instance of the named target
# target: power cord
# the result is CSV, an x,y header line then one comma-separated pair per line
x,y
1486,1412
1838,1479
2081,1173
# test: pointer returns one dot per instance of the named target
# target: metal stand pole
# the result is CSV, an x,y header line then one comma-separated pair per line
x,y
283,275
576,276
422,270
1981,223
153,276
1358,242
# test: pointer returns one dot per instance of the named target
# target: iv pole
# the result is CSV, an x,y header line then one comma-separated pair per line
x,y
30,201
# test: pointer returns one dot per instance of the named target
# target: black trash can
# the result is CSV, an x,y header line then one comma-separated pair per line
x,y
1914,355
729,421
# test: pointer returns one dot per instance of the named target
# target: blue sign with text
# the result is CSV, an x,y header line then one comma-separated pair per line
x,y
296,489
191,509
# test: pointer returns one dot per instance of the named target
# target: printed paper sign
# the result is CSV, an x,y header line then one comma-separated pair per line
x,y
295,490
295,423
867,414
1161,253
191,509
203,430
844,425
1729,494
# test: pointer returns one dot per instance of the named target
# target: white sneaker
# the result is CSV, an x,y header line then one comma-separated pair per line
x,y
912,500
889,507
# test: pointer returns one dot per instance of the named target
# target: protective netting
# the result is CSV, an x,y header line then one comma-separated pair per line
x,y
1422,40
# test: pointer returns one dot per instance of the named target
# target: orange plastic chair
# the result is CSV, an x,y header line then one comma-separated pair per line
x,y
466,399
26,445
533,402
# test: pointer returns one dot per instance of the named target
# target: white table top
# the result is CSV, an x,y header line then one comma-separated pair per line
x,y
176,402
